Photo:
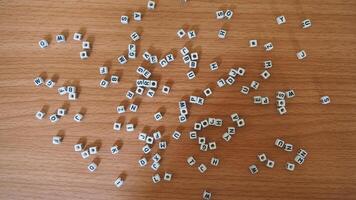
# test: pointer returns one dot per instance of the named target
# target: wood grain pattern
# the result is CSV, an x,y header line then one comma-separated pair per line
x,y
32,168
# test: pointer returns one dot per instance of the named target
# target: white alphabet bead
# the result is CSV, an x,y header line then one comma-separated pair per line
x,y
186,59
279,143
193,64
77,36
61,112
130,127
130,94
50,83
176,135
202,168
170,58
194,56
72,96
193,135
92,167
288,147
156,157
142,137
133,107
56,139
184,51
206,195
104,83
245,90
325,100
134,36
290,94
226,136
83,55
282,110
281,103
211,121
253,169
181,33
71,89
118,182
137,16
192,34
228,14
150,93
93,150
151,5
40,115
86,45
302,153
270,163
306,23
162,145
197,126
214,161
191,75
241,123
120,109
146,149
53,118
155,166
281,20
156,178
234,117
114,79
43,43
301,55
257,99
231,130
142,162
158,116
212,145
230,80
167,176
78,147
166,89
163,62
299,159
60,38
207,92
268,64
214,66
85,154
222,34
265,74
262,157
38,81
191,161
253,43
241,71
182,118
280,95
221,82
268,46
254,85
103,70
220,14
218,122
122,59
117,126
124,19
78,117
201,140
146,56
290,166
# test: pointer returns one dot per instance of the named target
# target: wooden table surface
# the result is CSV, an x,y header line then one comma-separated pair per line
x,y
31,167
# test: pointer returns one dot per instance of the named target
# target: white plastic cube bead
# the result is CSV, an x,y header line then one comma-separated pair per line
x,y
118,182
85,154
130,127
270,163
268,46
176,135
142,162
229,14
253,43
83,55
124,19
137,16
279,143
86,45
167,176
268,64
288,147
265,74
214,161
191,75
78,117
181,33
290,166
202,168
325,100
40,115
155,166
220,14
53,118
191,161
170,58
206,195
43,43
306,23
301,54
158,116
50,83
77,36
151,5
214,66
253,169
146,149
156,157
162,145
62,91
114,149
135,36
78,147
166,89
262,157
60,38
122,59
192,34
282,110
56,139
290,94
92,167
38,81
93,150
156,178
222,34
61,112
104,83
281,20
